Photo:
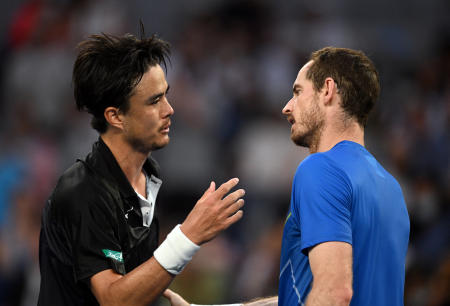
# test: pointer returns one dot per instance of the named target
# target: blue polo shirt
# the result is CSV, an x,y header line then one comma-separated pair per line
x,y
345,195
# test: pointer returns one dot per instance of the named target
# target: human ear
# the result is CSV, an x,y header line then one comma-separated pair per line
x,y
329,90
113,116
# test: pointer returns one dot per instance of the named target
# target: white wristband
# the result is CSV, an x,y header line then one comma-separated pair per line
x,y
176,251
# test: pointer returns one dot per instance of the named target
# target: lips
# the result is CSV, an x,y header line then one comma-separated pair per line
x,y
291,120
165,128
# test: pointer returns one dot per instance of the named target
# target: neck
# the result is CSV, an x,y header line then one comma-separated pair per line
x,y
332,136
129,160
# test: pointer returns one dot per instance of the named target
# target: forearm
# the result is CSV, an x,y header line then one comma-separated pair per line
x,y
271,301
141,286
176,300
146,282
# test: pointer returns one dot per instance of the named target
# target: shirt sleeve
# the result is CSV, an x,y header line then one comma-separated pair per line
x,y
322,198
91,222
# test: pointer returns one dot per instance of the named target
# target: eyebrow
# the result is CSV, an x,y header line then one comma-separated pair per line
x,y
159,95
296,87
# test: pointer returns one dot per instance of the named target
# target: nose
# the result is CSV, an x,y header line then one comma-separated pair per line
x,y
168,110
287,109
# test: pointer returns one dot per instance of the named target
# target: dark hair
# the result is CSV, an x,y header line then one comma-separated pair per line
x,y
108,68
356,77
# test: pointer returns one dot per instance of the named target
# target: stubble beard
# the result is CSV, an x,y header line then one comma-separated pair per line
x,y
143,146
313,123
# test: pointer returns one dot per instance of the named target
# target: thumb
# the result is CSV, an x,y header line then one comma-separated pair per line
x,y
211,189
168,294
174,298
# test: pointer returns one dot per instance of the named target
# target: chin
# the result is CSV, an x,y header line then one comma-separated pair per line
x,y
160,144
300,141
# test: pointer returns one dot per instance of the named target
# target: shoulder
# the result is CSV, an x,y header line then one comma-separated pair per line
x,y
80,188
317,164
316,160
321,172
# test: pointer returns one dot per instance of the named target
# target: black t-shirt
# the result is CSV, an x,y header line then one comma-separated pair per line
x,y
91,222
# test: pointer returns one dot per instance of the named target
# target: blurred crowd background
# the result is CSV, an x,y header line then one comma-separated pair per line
x,y
233,65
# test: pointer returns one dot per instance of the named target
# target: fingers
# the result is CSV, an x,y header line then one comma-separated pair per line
x,y
234,213
168,294
233,208
234,196
211,189
234,218
226,187
213,213
174,298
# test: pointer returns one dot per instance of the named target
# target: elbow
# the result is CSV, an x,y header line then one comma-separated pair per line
x,y
337,295
111,297
343,296
108,301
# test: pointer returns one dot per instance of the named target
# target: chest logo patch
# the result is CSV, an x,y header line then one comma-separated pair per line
x,y
117,256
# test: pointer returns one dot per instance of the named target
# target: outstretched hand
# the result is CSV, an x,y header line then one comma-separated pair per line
x,y
215,211
174,298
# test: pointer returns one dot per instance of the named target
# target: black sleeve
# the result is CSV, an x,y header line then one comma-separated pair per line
x,y
92,224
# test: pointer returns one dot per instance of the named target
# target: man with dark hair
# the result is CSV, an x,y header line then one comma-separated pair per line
x,y
99,236
346,234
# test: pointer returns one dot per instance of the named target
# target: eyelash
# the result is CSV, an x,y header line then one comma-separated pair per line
x,y
159,98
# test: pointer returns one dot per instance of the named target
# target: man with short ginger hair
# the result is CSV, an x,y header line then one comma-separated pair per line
x,y
346,233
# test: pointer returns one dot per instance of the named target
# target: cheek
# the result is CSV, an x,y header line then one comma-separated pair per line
x,y
149,119
298,110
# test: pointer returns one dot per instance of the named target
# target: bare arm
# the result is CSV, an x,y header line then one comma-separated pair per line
x,y
176,300
139,287
212,214
331,266
270,301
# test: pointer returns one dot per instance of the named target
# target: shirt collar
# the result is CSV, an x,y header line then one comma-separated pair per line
x,y
104,163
